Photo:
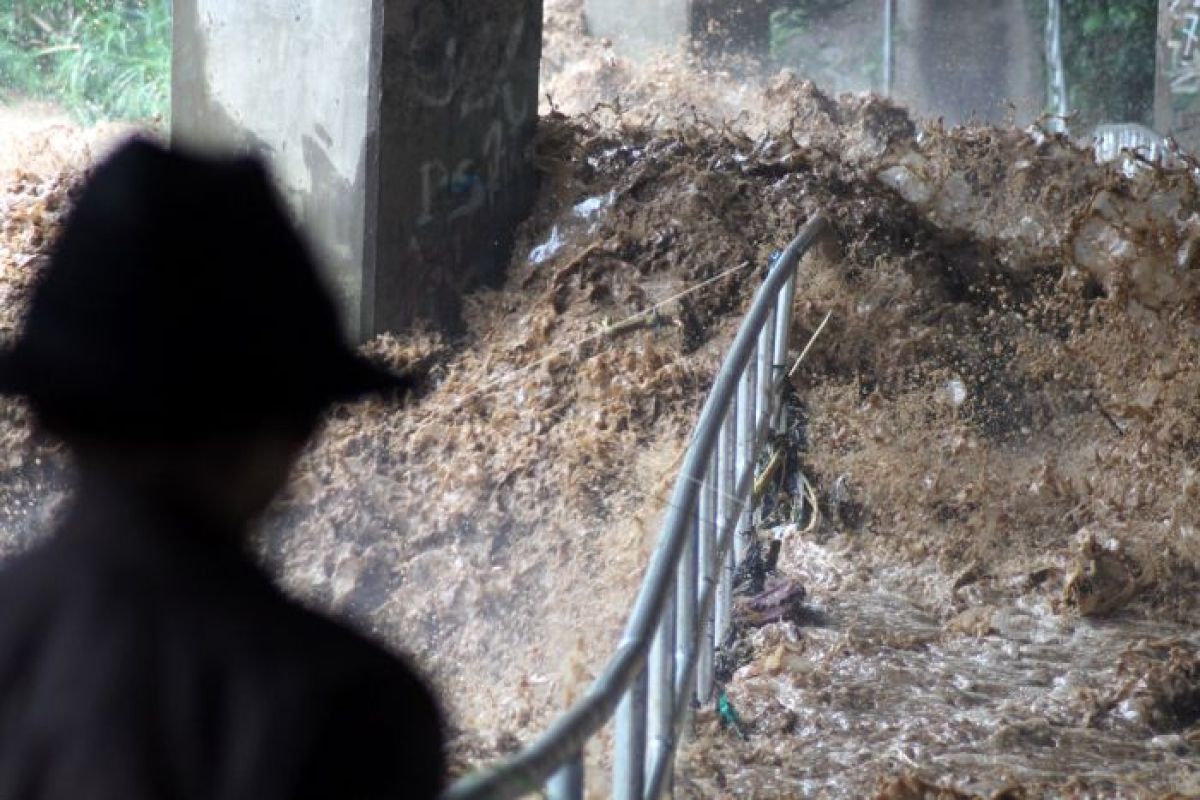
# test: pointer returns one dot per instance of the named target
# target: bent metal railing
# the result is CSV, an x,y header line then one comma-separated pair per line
x,y
1111,140
682,612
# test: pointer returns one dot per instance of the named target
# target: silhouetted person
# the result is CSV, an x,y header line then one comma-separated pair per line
x,y
180,343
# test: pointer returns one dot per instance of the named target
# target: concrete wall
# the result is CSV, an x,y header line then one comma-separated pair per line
x,y
1177,76
291,81
718,29
458,115
400,132
969,59
639,27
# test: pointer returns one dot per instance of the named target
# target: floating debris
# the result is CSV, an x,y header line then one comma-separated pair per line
x,y
547,249
588,208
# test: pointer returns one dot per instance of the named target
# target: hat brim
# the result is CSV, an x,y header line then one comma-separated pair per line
x,y
354,378
358,378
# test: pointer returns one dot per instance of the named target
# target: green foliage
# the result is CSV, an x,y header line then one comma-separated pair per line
x,y
786,23
790,18
1109,51
98,58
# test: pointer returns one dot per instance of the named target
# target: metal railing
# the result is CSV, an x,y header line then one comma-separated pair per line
x,y
1056,70
1111,140
889,51
664,662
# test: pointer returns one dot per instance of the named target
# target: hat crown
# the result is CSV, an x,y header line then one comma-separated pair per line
x,y
179,298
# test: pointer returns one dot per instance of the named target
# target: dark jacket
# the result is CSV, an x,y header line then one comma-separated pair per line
x,y
142,655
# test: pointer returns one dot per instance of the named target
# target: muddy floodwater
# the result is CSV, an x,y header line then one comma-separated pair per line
x,y
879,684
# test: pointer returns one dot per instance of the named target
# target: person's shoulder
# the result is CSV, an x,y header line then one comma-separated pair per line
x,y
59,585
398,738
342,653
23,577
44,568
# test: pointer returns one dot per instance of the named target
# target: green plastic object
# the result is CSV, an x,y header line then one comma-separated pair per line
x,y
729,716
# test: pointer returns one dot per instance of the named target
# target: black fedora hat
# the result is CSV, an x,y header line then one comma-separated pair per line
x,y
179,301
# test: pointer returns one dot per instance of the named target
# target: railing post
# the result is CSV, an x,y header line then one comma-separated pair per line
x,y
766,375
783,341
889,57
706,558
567,783
747,416
726,503
1056,73
629,760
660,714
685,603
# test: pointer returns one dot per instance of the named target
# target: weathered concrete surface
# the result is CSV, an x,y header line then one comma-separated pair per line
x,y
732,29
638,29
458,114
717,29
400,132
969,59
1177,76
291,81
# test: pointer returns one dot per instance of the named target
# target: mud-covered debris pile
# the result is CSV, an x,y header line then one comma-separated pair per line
x,y
1013,367
1002,422
42,158
31,208
974,400
510,510
582,74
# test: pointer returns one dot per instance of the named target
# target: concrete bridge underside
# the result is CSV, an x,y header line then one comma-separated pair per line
x,y
969,59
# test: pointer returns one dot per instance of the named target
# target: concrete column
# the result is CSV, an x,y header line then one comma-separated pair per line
x,y
639,29
968,59
400,132
457,117
717,29
725,31
1177,77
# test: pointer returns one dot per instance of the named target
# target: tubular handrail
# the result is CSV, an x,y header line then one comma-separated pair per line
x,y
1110,140
649,660
1056,72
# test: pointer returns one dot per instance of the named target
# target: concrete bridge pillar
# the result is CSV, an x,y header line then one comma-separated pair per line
x,y
1177,77
400,132
968,59
717,29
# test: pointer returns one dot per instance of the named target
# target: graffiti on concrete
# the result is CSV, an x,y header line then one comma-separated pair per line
x,y
1182,46
455,194
1178,93
472,67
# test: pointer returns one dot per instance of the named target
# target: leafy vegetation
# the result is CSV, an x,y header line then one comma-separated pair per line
x,y
1109,47
798,30
790,18
1109,51
98,58
786,23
